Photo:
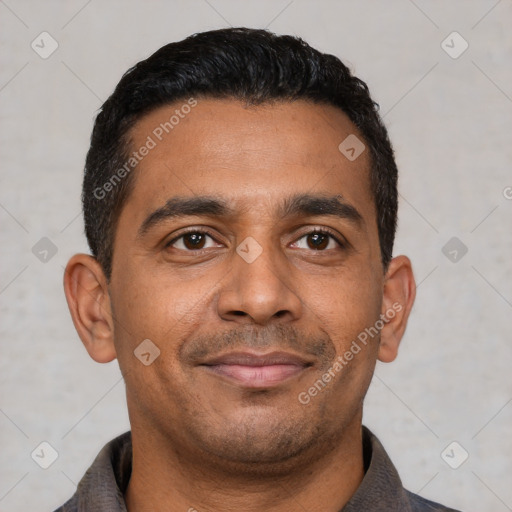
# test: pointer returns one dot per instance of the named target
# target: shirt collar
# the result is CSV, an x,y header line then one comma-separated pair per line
x,y
381,488
105,482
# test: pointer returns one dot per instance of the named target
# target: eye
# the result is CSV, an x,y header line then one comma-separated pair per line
x,y
193,241
318,240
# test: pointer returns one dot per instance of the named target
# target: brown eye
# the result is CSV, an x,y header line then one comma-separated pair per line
x,y
318,241
192,241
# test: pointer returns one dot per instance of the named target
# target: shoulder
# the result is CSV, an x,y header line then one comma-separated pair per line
x,y
70,505
419,504
103,485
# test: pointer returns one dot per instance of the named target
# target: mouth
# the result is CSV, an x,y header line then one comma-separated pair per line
x,y
253,370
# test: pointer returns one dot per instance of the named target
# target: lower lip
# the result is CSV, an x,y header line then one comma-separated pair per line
x,y
257,376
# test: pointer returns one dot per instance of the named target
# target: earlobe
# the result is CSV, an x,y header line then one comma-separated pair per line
x,y
85,286
398,298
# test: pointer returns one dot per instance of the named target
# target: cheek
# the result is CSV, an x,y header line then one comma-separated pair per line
x,y
347,308
149,327
164,311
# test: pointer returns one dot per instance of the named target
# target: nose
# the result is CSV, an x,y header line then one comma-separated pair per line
x,y
259,291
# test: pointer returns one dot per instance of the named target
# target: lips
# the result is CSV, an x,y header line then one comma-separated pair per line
x,y
257,370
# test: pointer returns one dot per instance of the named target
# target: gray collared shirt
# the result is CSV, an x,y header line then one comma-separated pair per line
x,y
103,485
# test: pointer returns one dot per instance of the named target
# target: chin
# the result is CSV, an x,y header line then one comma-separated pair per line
x,y
259,442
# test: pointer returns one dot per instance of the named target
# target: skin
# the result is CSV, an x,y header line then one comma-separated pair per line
x,y
201,440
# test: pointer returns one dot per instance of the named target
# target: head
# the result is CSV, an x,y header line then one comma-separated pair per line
x,y
240,196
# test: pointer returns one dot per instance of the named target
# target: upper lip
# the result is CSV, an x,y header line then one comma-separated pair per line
x,y
256,359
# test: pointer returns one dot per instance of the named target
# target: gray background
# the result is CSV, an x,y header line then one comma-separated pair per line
x,y
450,121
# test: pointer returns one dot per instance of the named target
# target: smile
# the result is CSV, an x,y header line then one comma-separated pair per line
x,y
257,370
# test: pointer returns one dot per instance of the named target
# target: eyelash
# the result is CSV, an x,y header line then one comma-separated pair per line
x,y
322,231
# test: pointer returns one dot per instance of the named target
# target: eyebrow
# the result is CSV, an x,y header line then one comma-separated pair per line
x,y
298,205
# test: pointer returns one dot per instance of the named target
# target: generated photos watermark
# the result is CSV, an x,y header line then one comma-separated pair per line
x,y
342,360
157,135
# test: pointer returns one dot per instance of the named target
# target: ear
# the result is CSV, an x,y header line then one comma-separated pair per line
x,y
398,297
85,286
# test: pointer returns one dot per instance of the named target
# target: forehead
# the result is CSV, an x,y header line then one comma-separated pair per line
x,y
252,156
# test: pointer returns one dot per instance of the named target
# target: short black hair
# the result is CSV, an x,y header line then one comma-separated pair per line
x,y
251,65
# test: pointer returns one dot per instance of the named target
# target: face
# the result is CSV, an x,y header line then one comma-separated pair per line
x,y
248,254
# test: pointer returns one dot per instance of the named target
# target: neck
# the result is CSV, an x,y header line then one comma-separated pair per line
x,y
164,479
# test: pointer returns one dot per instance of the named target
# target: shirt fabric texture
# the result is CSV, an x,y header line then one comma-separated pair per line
x,y
103,485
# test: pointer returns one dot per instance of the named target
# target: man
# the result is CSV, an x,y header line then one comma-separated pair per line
x,y
240,204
